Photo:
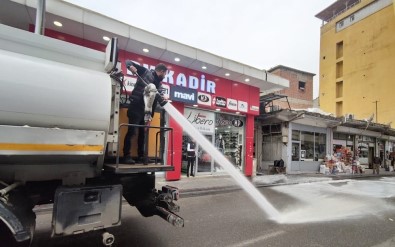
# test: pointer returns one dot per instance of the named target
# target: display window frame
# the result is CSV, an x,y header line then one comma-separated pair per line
x,y
306,153
231,126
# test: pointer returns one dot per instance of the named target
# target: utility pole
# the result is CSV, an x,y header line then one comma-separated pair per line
x,y
376,108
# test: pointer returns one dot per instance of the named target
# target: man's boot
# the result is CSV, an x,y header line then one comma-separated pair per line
x,y
128,160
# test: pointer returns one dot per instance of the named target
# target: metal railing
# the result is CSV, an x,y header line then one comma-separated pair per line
x,y
342,11
162,130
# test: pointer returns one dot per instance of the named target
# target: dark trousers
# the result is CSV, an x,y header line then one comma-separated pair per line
x,y
191,164
376,168
134,118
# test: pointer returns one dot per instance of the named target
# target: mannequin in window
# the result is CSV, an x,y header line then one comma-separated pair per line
x,y
191,157
220,143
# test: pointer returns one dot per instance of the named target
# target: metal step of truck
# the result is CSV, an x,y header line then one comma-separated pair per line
x,y
137,168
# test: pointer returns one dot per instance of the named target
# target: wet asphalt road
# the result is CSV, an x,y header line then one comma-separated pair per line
x,y
232,219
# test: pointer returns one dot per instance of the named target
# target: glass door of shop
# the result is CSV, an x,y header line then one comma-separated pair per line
x,y
204,162
297,154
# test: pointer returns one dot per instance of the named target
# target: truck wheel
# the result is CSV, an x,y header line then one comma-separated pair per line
x,y
7,239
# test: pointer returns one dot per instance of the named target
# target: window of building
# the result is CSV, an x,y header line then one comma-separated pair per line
x,y
308,146
339,69
271,133
352,17
340,136
341,23
339,108
229,138
302,85
339,89
295,152
295,135
339,50
319,146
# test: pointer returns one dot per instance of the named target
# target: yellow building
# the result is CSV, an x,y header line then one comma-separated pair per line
x,y
357,59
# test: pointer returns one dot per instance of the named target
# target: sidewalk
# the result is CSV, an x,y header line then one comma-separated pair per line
x,y
209,183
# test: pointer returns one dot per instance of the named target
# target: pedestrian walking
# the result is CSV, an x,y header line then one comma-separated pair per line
x,y
376,165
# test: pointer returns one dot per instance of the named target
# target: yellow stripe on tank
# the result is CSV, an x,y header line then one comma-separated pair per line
x,y
49,147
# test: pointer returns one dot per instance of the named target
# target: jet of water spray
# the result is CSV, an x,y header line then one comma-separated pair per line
x,y
259,199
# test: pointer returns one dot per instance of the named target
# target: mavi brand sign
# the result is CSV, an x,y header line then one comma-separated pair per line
x,y
182,94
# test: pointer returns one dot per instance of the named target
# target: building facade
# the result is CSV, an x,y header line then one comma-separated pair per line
x,y
300,91
357,57
304,139
218,96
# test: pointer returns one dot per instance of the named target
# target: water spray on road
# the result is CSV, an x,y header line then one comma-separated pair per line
x,y
259,199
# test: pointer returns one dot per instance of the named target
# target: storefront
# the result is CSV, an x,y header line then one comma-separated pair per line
x,y
225,131
196,79
300,138
308,148
368,139
217,107
366,149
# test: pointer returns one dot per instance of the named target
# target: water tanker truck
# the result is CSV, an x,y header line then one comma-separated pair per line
x,y
59,136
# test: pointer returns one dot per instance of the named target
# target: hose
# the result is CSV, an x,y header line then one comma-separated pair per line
x,y
7,189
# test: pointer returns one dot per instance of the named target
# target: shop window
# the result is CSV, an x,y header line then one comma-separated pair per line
x,y
340,136
295,151
295,135
230,129
320,146
307,146
271,129
266,129
272,138
302,85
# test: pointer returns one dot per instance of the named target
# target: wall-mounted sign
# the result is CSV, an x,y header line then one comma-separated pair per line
x,y
237,122
202,120
207,91
231,104
183,94
204,99
254,108
219,101
184,80
242,106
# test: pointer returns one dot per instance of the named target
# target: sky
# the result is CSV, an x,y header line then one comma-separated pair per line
x,y
258,33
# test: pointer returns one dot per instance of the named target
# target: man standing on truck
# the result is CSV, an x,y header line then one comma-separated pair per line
x,y
148,81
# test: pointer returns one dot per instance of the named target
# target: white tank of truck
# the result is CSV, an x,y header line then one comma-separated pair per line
x,y
59,113
55,106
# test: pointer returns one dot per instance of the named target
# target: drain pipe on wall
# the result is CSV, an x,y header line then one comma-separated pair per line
x,y
40,17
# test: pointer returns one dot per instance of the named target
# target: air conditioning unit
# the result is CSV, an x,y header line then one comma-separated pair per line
x,y
348,116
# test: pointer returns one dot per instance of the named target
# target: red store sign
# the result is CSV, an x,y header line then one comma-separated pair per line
x,y
212,92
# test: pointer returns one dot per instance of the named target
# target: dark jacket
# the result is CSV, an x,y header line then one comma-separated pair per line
x,y
136,97
376,160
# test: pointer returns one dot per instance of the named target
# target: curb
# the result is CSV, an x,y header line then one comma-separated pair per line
x,y
226,189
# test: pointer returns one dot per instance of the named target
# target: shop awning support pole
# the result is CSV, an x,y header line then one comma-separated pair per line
x,y
40,17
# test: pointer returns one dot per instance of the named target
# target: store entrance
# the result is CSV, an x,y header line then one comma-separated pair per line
x,y
203,162
204,159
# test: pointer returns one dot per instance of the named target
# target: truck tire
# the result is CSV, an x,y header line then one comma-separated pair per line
x,y
7,239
